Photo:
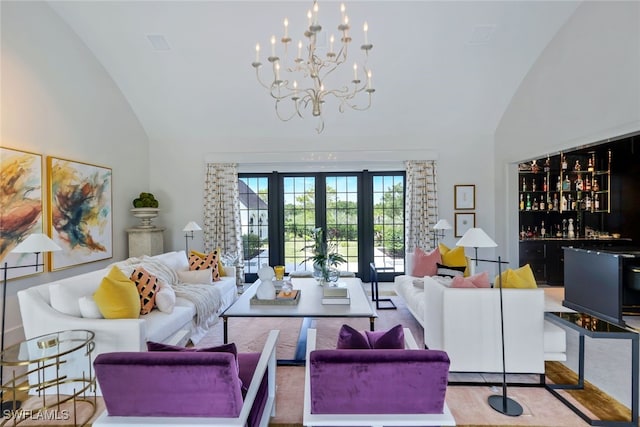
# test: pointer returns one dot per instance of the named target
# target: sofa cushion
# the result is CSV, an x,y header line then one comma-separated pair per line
x,y
160,327
522,278
480,280
117,296
195,277
177,261
425,264
200,261
147,285
165,297
65,293
454,257
450,271
352,339
88,308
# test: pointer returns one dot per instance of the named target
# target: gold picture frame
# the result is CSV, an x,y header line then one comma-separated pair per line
x,y
80,212
463,222
464,197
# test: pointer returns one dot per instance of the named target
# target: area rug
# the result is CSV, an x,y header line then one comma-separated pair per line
x,y
467,403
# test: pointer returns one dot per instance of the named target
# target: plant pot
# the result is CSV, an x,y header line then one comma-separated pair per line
x,y
146,216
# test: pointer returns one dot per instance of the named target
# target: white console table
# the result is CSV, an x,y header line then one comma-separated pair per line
x,y
145,241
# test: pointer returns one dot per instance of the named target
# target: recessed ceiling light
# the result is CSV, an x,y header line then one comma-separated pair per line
x,y
158,42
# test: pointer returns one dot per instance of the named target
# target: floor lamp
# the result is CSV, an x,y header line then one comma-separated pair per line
x,y
477,238
439,229
188,233
35,243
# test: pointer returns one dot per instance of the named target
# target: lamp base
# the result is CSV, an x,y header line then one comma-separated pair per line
x,y
505,405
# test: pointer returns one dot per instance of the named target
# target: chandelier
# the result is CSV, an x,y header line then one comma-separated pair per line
x,y
300,84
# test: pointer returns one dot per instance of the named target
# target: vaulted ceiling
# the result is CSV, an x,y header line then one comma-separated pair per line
x,y
439,67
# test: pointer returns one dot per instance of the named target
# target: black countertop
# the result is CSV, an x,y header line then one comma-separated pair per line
x,y
627,251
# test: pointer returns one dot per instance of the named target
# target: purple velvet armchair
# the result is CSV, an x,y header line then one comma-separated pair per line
x,y
177,388
376,387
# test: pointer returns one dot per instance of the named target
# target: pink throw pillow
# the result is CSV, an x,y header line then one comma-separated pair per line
x,y
480,280
425,264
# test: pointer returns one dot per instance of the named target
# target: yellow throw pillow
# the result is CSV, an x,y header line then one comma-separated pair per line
x,y
117,297
521,278
454,257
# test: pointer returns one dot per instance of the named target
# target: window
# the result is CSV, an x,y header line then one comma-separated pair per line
x,y
361,212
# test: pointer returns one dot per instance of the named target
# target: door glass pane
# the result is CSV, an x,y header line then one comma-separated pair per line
x,y
342,218
388,222
254,217
299,220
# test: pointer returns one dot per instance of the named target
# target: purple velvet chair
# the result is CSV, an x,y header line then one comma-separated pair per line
x,y
377,387
176,388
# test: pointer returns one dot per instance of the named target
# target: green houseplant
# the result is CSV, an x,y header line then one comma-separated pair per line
x,y
325,258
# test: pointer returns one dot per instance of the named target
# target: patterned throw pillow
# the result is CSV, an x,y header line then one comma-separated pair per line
x,y
147,285
208,261
449,271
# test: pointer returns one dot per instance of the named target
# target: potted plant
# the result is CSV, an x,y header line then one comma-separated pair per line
x,y
145,208
325,258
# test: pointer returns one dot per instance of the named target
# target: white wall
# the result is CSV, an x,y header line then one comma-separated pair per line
x,y
57,100
584,88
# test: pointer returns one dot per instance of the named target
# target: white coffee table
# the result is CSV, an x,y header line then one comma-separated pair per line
x,y
308,307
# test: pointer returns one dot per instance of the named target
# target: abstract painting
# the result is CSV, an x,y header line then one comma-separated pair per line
x,y
80,212
21,201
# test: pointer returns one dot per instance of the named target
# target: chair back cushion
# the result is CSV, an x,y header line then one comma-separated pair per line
x,y
169,384
378,381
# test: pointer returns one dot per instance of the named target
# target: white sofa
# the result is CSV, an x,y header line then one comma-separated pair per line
x,y
465,323
39,317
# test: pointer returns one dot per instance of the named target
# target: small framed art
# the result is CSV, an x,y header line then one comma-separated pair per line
x,y
464,196
464,221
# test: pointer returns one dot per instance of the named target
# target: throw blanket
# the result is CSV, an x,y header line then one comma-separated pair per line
x,y
205,298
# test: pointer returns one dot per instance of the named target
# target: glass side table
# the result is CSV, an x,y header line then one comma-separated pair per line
x,y
54,369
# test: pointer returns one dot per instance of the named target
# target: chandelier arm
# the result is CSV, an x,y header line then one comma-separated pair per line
x,y
266,86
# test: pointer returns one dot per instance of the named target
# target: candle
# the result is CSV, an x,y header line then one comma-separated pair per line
x,y
366,31
295,88
342,10
299,49
355,71
273,45
277,70
369,79
286,28
309,17
331,40
315,13
257,52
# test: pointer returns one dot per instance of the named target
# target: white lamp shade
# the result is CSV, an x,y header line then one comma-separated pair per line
x,y
476,238
192,226
36,242
443,224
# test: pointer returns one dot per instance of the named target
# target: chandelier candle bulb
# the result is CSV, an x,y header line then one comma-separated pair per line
x,y
331,40
315,13
300,49
273,46
369,79
355,71
309,17
286,28
366,33
342,12
257,52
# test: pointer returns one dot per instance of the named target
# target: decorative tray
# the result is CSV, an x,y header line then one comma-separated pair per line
x,y
293,299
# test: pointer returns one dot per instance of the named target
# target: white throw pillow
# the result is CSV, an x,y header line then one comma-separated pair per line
x,y
196,277
165,297
176,261
418,283
89,308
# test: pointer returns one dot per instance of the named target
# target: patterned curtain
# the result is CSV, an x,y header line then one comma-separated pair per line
x,y
222,227
421,208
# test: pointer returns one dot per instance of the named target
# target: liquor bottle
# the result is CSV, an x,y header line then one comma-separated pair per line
x,y
577,166
528,202
533,185
564,203
544,184
564,162
595,186
559,184
543,231
542,206
523,234
569,203
587,184
555,202
596,202
521,202
534,166
570,231
529,232
579,183
547,165
591,162
587,203
535,204
524,184
566,184
549,203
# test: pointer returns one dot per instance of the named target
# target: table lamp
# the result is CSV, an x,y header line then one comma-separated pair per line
x,y
188,233
35,243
